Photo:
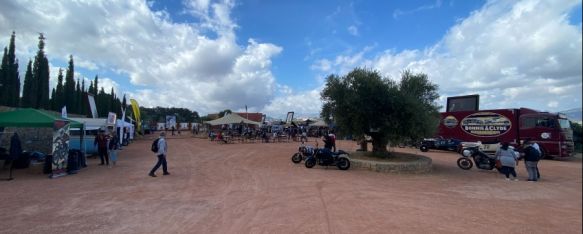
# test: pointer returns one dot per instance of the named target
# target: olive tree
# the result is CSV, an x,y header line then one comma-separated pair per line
x,y
363,102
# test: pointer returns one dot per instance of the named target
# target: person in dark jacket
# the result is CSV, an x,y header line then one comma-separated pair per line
x,y
15,147
531,158
101,143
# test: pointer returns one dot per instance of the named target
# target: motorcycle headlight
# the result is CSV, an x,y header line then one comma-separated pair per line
x,y
467,153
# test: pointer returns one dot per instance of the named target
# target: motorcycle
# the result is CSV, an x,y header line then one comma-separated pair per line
x,y
303,152
481,159
325,157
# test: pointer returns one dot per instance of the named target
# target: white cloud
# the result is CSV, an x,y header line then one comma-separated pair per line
x,y
353,30
302,103
514,54
198,66
398,12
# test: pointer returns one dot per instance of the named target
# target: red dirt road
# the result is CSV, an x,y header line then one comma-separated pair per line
x,y
255,188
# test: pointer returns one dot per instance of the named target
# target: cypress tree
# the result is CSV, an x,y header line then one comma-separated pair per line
x,y
83,100
12,76
90,90
59,95
4,83
27,91
95,86
70,85
40,72
78,96
9,77
53,102
101,103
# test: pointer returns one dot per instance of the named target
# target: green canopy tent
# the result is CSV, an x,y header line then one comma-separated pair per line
x,y
32,118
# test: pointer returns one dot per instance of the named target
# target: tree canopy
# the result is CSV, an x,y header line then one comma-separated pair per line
x,y
363,102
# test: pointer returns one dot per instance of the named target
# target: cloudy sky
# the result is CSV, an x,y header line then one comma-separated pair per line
x,y
273,56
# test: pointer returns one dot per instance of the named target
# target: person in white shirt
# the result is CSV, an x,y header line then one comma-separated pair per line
x,y
161,153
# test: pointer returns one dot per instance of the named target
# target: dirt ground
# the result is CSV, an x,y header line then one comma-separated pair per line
x,y
255,188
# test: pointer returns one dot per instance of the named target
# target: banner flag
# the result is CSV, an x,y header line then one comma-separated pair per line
x,y
111,118
92,105
64,112
121,129
136,109
60,149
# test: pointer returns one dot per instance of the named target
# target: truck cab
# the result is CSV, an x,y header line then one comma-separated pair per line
x,y
552,132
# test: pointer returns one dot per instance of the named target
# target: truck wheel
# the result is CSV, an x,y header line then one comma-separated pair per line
x,y
424,148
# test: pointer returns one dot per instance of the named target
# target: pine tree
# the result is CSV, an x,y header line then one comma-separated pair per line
x,y
40,72
70,85
28,97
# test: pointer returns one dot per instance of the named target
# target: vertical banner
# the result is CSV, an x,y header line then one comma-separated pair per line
x,y
123,125
60,148
290,116
64,112
111,118
92,105
170,121
136,109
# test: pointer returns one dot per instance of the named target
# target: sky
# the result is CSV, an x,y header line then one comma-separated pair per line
x,y
273,56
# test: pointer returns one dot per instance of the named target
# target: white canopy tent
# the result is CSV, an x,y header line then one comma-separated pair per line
x,y
319,123
91,123
123,124
231,119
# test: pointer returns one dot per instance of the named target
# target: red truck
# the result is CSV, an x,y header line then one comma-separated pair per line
x,y
551,131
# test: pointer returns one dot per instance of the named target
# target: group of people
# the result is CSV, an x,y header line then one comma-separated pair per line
x,y
509,158
107,147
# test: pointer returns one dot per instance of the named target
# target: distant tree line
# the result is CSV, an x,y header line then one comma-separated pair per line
x,y
158,114
69,92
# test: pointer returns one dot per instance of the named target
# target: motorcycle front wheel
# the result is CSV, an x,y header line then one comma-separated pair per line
x,y
296,158
424,148
343,164
465,163
310,162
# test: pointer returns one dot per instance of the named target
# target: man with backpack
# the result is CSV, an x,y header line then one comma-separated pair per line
x,y
160,147
531,158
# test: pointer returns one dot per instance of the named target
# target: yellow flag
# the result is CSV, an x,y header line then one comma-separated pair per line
x,y
136,110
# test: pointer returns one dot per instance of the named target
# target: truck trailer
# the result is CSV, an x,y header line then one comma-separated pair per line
x,y
552,131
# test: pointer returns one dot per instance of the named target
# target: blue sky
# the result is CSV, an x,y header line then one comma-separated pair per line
x,y
273,56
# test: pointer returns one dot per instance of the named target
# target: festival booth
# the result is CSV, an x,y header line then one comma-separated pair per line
x,y
129,131
91,129
57,160
232,119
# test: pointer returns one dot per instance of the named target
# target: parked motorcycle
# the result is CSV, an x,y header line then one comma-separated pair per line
x,y
325,157
303,152
471,155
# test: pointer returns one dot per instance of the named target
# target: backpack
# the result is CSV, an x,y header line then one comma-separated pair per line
x,y
155,145
531,154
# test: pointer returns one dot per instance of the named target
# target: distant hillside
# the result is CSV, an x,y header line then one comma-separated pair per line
x,y
573,114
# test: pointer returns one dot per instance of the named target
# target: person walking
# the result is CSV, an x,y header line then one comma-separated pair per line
x,y
101,143
531,158
508,160
113,147
161,153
